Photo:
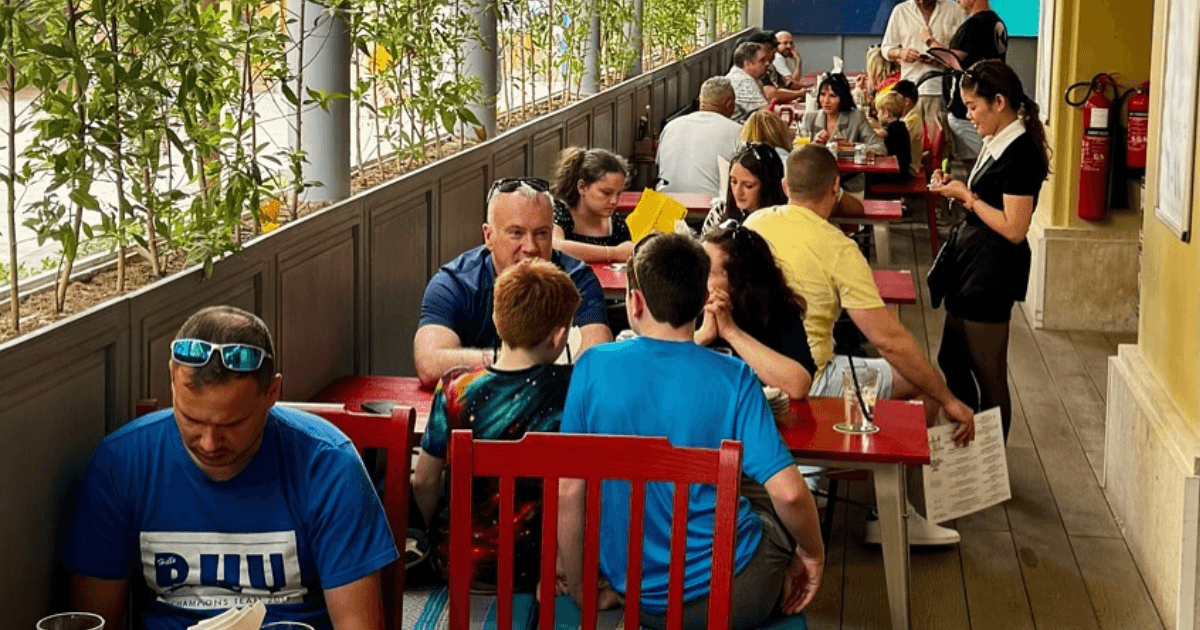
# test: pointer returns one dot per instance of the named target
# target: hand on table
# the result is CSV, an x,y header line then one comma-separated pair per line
x,y
621,253
822,137
964,417
801,583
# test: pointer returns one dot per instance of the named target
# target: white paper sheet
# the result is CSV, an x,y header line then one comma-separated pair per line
x,y
961,480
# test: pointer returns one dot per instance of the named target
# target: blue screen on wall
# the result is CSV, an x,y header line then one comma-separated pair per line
x,y
869,17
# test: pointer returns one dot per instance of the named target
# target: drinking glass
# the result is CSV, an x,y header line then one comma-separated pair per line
x,y
860,386
72,621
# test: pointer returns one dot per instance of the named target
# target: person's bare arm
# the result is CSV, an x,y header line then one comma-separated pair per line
x,y
591,253
437,349
773,368
427,484
1012,221
103,597
796,510
782,95
593,335
571,494
902,352
357,605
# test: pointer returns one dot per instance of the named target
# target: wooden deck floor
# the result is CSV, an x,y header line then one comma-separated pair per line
x,y
1052,557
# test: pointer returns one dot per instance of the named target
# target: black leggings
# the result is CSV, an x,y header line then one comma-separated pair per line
x,y
974,358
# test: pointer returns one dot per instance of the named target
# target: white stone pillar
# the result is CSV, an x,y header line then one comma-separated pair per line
x,y
324,135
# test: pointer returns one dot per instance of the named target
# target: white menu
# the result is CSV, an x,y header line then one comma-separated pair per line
x,y
961,480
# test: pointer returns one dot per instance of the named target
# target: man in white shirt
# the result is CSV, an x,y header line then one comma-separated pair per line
x,y
749,63
787,60
914,26
689,146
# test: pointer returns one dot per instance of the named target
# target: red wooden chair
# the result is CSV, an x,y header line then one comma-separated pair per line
x,y
394,435
919,186
593,458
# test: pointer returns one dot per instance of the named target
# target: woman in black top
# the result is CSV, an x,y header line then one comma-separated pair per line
x,y
587,185
755,181
753,311
983,269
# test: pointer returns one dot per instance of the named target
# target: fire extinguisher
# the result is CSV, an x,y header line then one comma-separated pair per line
x,y
1138,100
1096,150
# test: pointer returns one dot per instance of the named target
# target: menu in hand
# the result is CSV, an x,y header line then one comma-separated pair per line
x,y
654,211
962,480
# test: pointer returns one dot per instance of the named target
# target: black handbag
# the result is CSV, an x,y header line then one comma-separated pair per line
x,y
943,273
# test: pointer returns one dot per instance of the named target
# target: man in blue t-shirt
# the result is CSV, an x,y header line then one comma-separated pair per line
x,y
663,384
227,500
456,328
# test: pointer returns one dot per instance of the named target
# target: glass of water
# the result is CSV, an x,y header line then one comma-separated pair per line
x,y
72,621
860,387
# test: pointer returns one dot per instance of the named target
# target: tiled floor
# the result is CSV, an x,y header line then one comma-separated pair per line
x,y
1052,557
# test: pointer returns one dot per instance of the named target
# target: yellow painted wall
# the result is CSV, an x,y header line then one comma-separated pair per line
x,y
1090,36
1169,329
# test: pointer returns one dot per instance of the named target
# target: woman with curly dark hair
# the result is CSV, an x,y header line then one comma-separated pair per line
x,y
752,310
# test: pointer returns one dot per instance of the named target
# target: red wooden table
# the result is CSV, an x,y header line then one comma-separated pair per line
x,y
697,204
901,441
883,164
895,287
403,390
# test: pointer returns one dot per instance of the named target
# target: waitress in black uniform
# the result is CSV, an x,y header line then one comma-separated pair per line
x,y
983,269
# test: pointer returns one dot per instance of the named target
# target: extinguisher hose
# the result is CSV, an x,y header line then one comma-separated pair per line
x,y
1097,84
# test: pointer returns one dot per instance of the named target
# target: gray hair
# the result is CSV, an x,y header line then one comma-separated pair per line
x,y
779,34
716,91
746,51
523,189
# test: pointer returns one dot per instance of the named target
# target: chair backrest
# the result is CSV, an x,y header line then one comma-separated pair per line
x,y
936,147
394,435
592,458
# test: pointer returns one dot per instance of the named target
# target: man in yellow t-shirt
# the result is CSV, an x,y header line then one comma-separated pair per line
x,y
827,269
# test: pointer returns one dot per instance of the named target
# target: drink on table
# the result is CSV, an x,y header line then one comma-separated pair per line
x,y
860,386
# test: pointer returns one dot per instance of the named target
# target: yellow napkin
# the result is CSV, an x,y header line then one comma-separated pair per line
x,y
654,211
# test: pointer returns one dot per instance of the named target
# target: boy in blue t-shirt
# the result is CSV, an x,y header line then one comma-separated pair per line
x,y
522,391
663,384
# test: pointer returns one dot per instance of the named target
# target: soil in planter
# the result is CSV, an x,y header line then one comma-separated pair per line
x,y
38,310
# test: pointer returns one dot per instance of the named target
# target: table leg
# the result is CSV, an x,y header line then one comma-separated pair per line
x,y
883,246
892,501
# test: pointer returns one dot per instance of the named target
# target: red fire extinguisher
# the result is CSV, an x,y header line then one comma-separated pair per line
x,y
1095,152
1139,122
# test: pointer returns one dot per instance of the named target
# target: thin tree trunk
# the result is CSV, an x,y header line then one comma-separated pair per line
x,y
14,288
378,115
357,61
68,262
120,140
297,187
256,211
550,55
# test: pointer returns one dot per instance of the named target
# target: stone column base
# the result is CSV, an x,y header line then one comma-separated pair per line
x,y
1150,479
1083,279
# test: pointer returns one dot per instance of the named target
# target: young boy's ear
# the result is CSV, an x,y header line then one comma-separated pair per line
x,y
559,336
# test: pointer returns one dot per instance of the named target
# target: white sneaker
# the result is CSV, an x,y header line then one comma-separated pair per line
x,y
812,478
920,531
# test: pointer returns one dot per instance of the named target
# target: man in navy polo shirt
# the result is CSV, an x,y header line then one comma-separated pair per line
x,y
456,327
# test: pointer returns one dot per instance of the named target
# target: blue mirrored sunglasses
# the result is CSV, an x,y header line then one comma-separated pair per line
x,y
237,357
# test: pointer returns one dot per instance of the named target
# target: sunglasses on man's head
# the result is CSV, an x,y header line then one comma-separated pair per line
x,y
236,357
511,184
